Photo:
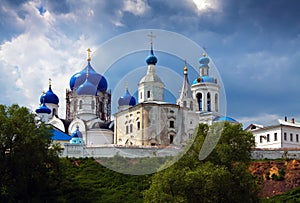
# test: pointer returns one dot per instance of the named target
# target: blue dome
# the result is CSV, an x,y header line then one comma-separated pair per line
x,y
151,59
127,99
77,133
225,118
204,79
49,97
95,78
87,88
43,109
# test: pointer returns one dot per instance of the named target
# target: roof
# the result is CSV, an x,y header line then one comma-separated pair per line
x,y
59,135
272,124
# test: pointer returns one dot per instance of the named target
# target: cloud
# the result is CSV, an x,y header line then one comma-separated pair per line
x,y
136,7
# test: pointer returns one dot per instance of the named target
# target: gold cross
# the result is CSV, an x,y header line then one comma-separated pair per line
x,y
151,37
89,54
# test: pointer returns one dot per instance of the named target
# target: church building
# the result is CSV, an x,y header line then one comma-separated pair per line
x,y
144,121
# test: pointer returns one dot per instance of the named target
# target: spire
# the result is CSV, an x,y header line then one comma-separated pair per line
x,y
126,85
89,54
50,82
185,69
186,87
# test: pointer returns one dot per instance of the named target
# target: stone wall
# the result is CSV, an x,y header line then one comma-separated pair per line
x,y
74,150
276,153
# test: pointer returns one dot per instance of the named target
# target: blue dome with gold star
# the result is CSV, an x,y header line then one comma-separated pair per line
x,y
204,79
49,97
126,99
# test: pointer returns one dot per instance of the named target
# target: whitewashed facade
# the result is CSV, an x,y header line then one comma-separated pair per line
x,y
280,134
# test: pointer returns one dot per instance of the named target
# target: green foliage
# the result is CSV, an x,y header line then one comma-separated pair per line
x,y
88,181
29,168
222,177
135,166
289,197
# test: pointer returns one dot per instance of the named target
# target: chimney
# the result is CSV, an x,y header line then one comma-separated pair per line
x,y
293,120
285,118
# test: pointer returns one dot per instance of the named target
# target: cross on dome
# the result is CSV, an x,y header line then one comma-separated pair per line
x,y
151,36
89,54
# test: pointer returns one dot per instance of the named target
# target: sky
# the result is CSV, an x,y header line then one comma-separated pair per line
x,y
254,44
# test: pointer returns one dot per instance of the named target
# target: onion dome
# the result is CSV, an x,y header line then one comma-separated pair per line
x,y
151,59
95,78
77,133
204,60
87,88
43,109
225,118
126,99
49,96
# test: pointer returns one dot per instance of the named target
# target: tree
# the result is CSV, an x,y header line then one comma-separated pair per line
x,y
222,177
29,167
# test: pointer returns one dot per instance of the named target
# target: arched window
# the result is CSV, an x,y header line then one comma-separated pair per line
x,y
101,107
216,102
171,139
184,103
93,104
131,127
80,104
138,125
191,105
199,100
208,102
126,129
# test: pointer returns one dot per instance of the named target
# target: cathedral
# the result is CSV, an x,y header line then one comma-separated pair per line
x,y
145,121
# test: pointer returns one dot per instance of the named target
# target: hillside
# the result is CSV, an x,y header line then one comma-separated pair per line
x,y
276,176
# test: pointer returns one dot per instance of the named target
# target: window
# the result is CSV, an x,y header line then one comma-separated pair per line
x,y
199,99
284,136
268,137
275,136
297,138
138,125
184,103
93,104
171,124
261,139
216,103
191,105
148,94
208,102
291,137
131,127
80,104
141,95
126,129
171,139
